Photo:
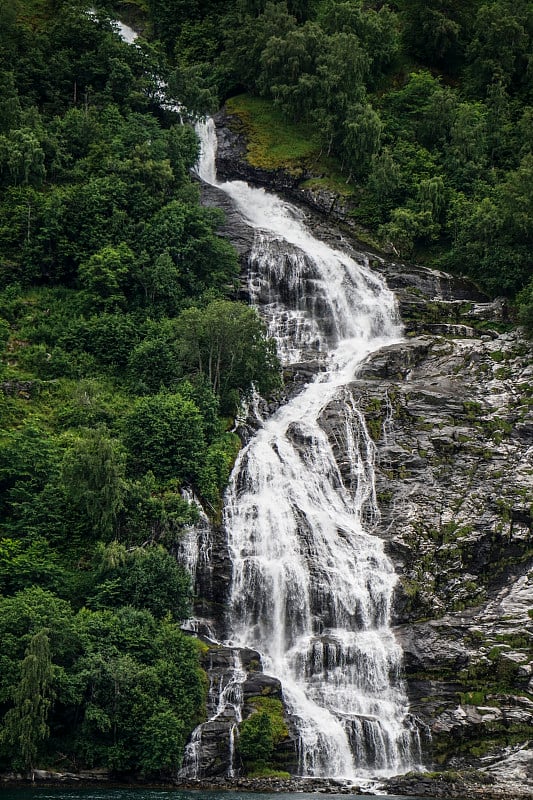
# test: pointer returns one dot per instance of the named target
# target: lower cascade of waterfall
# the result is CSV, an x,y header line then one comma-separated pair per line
x,y
311,587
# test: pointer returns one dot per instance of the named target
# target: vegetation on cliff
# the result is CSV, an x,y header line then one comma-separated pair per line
x,y
123,359
124,354
425,108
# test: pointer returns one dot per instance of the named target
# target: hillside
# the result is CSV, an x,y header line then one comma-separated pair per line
x,y
128,351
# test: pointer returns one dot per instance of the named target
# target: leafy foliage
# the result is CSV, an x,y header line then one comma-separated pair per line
x,y
105,253
164,435
256,742
118,678
425,108
144,578
226,344
120,346
25,725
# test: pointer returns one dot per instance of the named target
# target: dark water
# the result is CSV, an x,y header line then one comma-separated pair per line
x,y
40,793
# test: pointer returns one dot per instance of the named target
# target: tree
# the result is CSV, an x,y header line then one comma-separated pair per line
x,y
25,562
162,741
376,30
146,578
406,226
256,741
9,102
466,154
384,188
341,69
431,196
155,512
215,473
188,86
21,158
501,44
140,678
246,41
164,434
183,150
109,337
168,16
362,137
153,364
421,109
29,457
105,274
26,724
160,280
93,476
494,233
226,343
289,70
186,234
198,389
436,31
524,301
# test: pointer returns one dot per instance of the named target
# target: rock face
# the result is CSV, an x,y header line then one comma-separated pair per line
x,y
450,410
237,689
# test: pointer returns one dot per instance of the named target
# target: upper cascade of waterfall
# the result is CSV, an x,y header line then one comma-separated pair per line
x,y
332,298
126,33
311,587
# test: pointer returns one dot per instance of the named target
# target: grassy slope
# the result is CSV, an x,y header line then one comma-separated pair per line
x,y
274,143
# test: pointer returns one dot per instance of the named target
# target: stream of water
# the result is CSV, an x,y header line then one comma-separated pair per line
x,y
311,587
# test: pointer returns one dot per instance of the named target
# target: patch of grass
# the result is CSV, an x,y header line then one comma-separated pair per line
x,y
266,772
472,698
201,646
275,143
332,182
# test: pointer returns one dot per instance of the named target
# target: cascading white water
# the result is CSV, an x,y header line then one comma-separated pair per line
x,y
311,588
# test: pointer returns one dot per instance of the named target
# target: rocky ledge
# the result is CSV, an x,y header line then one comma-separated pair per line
x,y
233,165
467,786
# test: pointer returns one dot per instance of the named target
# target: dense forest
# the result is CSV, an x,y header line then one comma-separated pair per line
x,y
125,355
124,360
425,106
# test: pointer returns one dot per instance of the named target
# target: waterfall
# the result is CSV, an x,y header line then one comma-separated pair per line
x,y
311,587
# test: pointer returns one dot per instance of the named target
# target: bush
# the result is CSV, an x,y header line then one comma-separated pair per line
x,y
256,740
164,434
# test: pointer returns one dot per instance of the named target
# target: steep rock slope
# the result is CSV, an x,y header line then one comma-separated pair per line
x,y
450,411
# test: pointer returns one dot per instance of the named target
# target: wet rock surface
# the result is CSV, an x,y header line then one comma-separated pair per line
x,y
236,682
466,786
450,410
469,786
451,418
233,227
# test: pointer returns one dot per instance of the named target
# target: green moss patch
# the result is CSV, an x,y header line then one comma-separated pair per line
x,y
274,709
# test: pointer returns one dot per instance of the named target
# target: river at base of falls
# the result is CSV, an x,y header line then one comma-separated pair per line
x,y
44,793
